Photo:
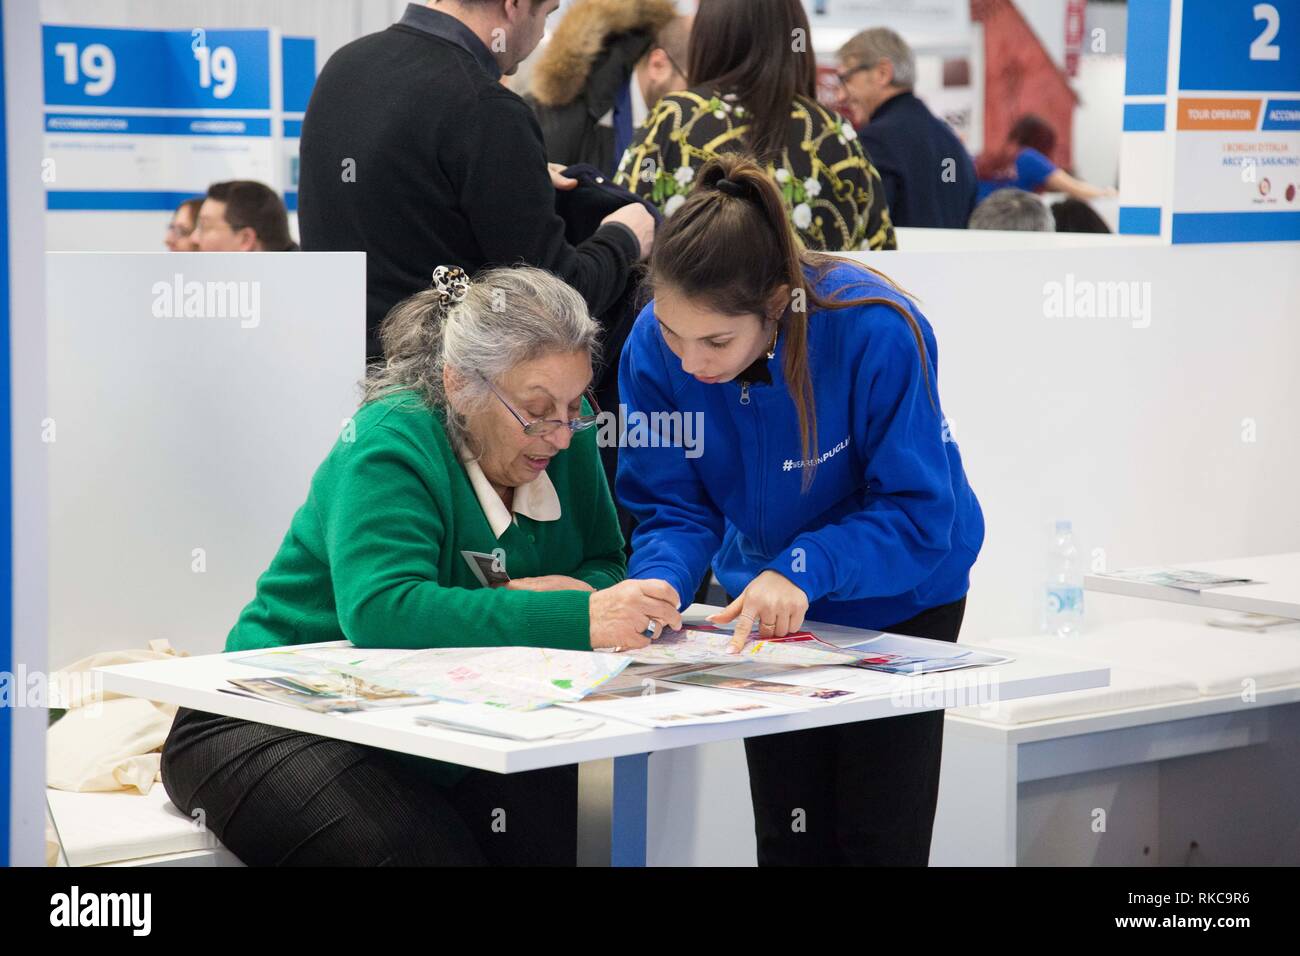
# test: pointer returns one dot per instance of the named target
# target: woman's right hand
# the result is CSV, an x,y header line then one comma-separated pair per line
x,y
619,614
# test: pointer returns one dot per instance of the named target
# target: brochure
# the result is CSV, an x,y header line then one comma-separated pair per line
x,y
757,678
324,693
668,706
899,654
1184,580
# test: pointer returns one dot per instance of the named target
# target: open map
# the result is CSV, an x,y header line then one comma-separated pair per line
x,y
516,678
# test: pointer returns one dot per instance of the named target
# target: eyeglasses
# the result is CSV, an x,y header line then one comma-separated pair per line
x,y
545,426
176,229
844,77
673,63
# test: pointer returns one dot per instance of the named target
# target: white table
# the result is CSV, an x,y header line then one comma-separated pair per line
x,y
1194,742
1278,593
613,759
985,764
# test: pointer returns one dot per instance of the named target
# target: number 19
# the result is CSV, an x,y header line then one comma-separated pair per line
x,y
97,63
219,65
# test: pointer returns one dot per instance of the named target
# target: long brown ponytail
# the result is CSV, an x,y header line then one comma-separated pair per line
x,y
733,247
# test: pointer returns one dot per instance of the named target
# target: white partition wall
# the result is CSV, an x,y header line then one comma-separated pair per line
x,y
1162,420
1167,432
193,397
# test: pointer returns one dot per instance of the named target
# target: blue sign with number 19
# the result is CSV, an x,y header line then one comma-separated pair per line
x,y
173,69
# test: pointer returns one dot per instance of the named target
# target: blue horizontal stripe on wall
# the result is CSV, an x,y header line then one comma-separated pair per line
x,y
124,200
156,125
1279,226
1146,62
1144,117
1139,220
293,129
92,200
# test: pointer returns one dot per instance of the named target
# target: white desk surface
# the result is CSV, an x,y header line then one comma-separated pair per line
x,y
1072,725
1278,593
193,681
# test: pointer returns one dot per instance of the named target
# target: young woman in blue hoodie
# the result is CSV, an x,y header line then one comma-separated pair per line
x,y
824,485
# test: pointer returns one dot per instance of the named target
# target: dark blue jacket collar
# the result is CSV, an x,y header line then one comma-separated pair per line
x,y
898,99
446,27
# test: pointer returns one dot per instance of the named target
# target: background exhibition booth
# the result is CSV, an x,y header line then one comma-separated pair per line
x,y
1140,384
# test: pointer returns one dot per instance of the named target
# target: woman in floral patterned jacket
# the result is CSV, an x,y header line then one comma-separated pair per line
x,y
753,79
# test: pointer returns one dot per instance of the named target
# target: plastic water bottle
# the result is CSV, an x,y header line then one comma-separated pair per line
x,y
1064,605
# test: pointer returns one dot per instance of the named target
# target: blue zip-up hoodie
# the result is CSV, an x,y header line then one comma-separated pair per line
x,y
889,528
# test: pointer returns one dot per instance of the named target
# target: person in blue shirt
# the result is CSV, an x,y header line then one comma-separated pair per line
x,y
824,485
1022,163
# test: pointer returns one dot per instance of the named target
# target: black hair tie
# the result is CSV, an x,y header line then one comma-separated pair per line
x,y
731,187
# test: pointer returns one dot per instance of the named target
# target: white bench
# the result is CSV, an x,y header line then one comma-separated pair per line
x,y
125,828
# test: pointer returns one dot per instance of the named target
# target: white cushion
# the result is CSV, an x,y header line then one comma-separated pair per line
x,y
122,825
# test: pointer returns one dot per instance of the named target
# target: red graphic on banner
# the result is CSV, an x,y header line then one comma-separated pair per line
x,y
1073,35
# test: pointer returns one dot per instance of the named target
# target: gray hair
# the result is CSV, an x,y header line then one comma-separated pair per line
x,y
881,43
507,317
1014,210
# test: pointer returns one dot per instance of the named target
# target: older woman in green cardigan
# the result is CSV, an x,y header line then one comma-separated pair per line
x,y
473,439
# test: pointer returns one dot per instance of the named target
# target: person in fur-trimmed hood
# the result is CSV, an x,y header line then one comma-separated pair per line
x,y
604,68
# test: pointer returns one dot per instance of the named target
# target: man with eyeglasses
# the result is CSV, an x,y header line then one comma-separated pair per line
x,y
243,215
928,176
605,67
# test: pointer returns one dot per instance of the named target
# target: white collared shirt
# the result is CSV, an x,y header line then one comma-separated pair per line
x,y
639,109
537,499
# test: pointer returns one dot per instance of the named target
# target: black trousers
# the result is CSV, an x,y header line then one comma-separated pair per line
x,y
861,794
278,797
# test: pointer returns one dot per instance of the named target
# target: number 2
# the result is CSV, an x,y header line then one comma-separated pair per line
x,y
1262,47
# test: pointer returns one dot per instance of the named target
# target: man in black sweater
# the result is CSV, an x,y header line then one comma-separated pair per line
x,y
415,153
928,176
